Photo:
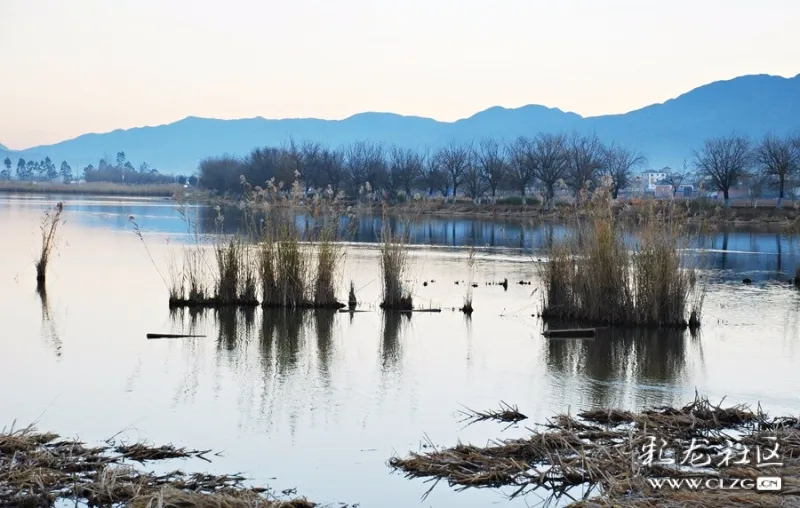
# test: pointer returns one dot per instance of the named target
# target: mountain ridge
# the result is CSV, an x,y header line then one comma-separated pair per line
x,y
665,132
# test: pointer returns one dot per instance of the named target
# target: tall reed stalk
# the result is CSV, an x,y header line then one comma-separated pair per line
x,y
51,220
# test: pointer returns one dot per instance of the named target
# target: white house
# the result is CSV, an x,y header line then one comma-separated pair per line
x,y
653,177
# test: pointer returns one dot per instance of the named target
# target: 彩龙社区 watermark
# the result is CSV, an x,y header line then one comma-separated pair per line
x,y
697,467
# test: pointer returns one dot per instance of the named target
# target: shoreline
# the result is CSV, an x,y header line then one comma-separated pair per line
x,y
740,212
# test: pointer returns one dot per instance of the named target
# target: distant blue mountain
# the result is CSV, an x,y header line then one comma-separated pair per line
x,y
666,133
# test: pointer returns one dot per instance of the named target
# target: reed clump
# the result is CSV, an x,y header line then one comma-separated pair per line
x,y
617,453
44,469
394,264
294,273
595,277
51,220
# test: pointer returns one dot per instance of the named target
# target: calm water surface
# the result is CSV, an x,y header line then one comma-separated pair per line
x,y
320,401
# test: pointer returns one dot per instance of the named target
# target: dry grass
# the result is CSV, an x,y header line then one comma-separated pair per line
x,y
604,451
40,469
394,264
49,227
507,414
328,257
92,188
236,276
594,277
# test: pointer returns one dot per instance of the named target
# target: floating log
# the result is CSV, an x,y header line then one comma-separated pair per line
x,y
171,336
576,333
353,311
420,310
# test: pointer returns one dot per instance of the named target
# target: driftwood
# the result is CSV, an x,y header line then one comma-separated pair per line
x,y
171,336
576,333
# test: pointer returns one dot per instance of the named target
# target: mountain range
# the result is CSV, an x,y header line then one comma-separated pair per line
x,y
665,133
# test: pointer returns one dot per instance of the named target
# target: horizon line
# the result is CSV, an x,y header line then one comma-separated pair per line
x,y
353,115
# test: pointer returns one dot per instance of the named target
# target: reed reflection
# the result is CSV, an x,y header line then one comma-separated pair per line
x,y
323,324
634,357
394,324
282,340
49,329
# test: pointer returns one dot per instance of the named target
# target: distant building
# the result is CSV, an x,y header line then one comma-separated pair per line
x,y
651,178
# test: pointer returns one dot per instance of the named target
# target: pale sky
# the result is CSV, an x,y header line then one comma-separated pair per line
x,y
76,66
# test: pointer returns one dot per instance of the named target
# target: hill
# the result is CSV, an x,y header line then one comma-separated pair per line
x,y
666,133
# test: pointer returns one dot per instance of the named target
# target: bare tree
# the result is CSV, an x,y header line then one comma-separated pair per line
x,y
778,159
585,159
492,165
332,167
365,163
433,178
473,178
724,161
454,162
405,167
311,172
618,164
548,156
521,165
676,178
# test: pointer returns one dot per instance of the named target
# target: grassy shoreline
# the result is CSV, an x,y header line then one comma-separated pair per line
x,y
739,212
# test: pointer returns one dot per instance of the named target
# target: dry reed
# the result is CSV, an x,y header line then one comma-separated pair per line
x,y
43,469
393,261
51,220
467,307
595,278
607,451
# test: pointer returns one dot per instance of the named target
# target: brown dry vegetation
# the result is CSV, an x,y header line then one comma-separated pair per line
x,y
49,227
595,277
38,469
394,264
603,449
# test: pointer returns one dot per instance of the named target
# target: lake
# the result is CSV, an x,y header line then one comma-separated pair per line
x,y
320,401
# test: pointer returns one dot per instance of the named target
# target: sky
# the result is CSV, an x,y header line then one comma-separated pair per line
x,y
78,66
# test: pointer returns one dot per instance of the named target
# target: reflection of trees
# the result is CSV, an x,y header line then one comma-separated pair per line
x,y
49,328
631,356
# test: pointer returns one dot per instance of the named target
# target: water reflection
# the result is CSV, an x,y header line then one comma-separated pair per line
x,y
391,350
49,329
621,356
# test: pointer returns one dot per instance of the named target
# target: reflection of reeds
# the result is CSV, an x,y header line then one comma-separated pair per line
x,y
47,319
390,346
323,324
633,356
49,227
593,277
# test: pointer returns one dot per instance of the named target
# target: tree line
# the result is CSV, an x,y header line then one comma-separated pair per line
x,y
546,162
120,170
